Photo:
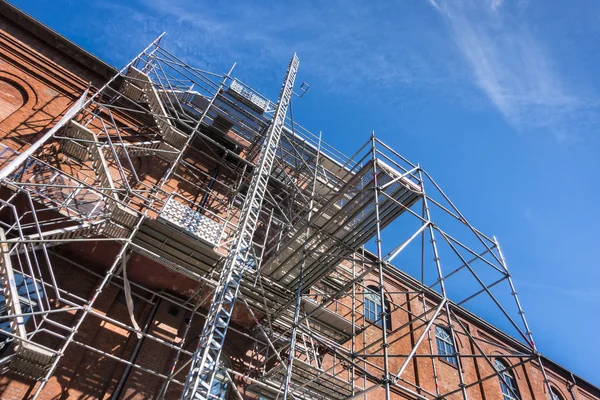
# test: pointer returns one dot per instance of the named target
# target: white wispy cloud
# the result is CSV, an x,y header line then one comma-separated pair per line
x,y
346,45
513,66
376,52
496,4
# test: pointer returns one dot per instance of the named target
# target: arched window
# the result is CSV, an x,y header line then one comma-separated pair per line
x,y
554,393
445,345
508,383
373,307
11,98
221,385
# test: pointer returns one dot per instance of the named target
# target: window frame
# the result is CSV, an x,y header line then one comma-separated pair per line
x,y
374,307
555,394
508,382
443,342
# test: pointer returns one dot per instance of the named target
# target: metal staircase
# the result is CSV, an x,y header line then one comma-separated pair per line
x,y
122,219
142,149
93,151
208,350
141,88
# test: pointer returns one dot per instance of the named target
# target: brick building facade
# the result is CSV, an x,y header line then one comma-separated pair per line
x,y
77,268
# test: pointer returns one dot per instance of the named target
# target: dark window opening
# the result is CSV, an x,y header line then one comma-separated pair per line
x,y
555,394
173,310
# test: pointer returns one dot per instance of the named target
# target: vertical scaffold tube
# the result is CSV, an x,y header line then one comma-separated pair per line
x,y
206,356
384,316
288,374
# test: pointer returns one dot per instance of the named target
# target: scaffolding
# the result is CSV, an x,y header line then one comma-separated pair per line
x,y
197,172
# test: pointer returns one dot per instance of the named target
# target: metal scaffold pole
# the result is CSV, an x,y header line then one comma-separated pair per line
x,y
436,259
378,240
196,174
239,259
523,319
288,375
89,306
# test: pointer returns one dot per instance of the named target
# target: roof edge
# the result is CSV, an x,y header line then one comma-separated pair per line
x,y
392,270
105,70
56,40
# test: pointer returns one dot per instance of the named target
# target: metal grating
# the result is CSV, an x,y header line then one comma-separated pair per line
x,y
248,95
192,222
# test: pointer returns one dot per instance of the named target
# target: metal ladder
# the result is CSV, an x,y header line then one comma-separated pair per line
x,y
210,344
312,354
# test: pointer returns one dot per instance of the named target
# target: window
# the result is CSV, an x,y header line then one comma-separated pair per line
x,y
445,345
555,394
221,385
27,290
508,383
373,307
11,98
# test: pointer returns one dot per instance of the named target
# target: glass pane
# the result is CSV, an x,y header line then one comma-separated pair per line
x,y
371,295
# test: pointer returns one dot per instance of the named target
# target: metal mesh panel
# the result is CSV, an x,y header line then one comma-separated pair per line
x,y
192,221
249,95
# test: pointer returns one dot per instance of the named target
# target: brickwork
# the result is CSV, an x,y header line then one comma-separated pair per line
x,y
48,81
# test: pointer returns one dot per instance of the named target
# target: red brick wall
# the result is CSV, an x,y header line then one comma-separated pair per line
x,y
49,82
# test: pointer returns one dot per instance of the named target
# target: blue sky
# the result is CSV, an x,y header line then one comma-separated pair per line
x,y
498,100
